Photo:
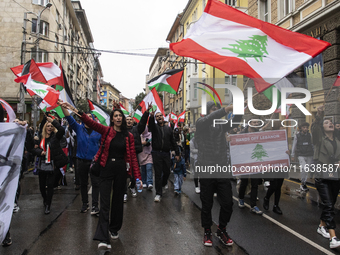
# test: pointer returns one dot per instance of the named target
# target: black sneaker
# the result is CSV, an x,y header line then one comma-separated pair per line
x,y
7,241
207,239
85,207
224,237
95,210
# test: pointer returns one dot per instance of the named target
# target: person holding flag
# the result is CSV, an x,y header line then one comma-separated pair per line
x,y
117,156
163,142
51,158
136,131
88,142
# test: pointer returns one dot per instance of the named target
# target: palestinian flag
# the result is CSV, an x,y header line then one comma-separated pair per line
x,y
102,116
10,113
337,81
60,84
173,116
154,99
30,67
137,116
239,44
181,117
168,81
126,113
283,83
48,95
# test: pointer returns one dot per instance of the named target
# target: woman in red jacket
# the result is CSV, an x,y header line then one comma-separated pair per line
x,y
117,158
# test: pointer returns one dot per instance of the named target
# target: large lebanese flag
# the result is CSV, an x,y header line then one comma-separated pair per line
x,y
168,81
154,99
239,44
48,94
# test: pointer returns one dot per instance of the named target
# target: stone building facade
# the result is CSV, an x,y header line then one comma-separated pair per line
x,y
64,37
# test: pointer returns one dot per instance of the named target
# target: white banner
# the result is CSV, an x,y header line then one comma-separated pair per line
x,y
259,152
12,137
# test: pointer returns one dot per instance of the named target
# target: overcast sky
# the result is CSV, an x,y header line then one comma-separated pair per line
x,y
130,25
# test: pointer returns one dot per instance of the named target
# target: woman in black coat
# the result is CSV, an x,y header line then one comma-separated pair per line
x,y
52,158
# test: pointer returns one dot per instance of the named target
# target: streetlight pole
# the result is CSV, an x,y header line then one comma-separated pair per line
x,y
35,107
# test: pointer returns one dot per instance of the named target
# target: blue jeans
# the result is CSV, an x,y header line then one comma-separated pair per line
x,y
147,177
178,181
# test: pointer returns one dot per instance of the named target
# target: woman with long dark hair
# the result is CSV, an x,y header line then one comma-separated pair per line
x,y
51,158
117,156
326,154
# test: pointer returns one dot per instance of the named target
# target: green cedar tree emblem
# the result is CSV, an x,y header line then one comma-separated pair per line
x,y
40,91
254,48
259,153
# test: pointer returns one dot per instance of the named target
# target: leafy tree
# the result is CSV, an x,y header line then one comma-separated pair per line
x,y
139,98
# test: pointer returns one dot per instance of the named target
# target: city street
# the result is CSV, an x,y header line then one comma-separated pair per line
x,y
170,227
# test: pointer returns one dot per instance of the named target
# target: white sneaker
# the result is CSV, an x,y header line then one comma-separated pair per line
x,y
150,187
166,186
323,231
144,185
157,198
104,246
125,198
16,208
197,190
133,192
215,194
334,243
114,235
267,184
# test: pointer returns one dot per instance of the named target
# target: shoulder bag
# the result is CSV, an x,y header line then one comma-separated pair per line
x,y
95,164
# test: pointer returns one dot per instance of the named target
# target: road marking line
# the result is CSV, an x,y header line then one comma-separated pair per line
x,y
306,185
310,242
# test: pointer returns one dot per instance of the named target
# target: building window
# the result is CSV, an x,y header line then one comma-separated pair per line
x,y
230,80
41,2
231,2
195,91
56,42
57,17
285,7
41,57
264,10
43,27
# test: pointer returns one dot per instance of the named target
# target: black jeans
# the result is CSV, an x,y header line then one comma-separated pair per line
x,y
161,164
111,222
275,186
46,178
84,169
328,192
253,193
224,196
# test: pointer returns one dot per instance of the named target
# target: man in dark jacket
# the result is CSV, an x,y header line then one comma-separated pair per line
x,y
88,142
212,151
136,130
163,142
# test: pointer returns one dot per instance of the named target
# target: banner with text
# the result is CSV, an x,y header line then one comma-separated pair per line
x,y
259,152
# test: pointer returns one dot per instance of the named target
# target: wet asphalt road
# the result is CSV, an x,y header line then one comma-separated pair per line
x,y
170,227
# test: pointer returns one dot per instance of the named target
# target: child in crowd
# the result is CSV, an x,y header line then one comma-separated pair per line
x,y
180,173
